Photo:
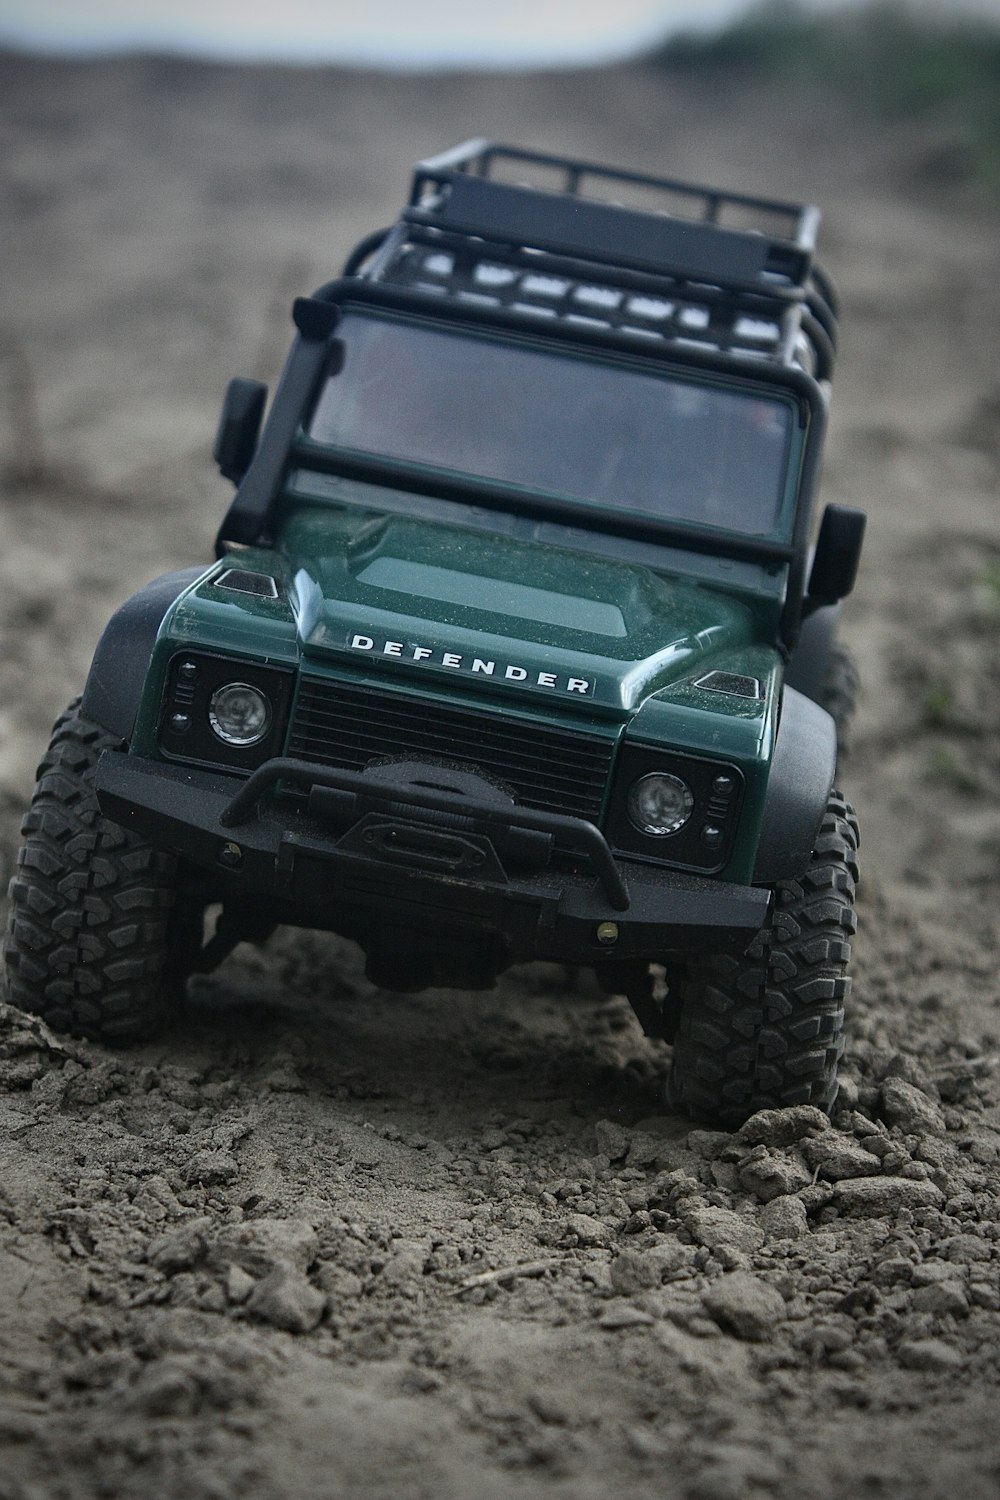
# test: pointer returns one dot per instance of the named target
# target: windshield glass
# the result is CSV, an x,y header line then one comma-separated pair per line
x,y
578,427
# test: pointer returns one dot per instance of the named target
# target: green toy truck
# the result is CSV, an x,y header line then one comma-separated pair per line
x,y
517,646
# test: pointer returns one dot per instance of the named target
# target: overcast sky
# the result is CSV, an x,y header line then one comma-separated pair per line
x,y
408,33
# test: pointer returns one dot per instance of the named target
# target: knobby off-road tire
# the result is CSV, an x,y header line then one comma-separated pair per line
x,y
840,695
764,1031
90,903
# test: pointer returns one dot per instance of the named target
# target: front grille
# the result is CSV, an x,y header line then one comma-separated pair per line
x,y
556,770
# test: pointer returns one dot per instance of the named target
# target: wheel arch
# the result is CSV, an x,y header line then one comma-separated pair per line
x,y
809,665
798,788
121,661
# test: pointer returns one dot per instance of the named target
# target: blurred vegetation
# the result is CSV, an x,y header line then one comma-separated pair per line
x,y
899,60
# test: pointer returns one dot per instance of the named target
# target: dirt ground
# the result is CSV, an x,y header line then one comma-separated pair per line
x,y
322,1240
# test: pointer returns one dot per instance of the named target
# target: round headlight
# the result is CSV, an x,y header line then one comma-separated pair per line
x,y
239,714
660,803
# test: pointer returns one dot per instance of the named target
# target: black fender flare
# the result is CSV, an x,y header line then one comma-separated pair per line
x,y
798,789
121,661
809,664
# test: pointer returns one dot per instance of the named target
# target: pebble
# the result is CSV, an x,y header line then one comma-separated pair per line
x,y
211,1168
875,1196
966,1247
588,1230
638,1270
181,1248
745,1306
905,1105
286,1299
719,1228
784,1218
624,1317
707,1144
633,1271
782,1127
768,1176
239,1284
933,1355
613,1140
942,1298
258,1245
840,1156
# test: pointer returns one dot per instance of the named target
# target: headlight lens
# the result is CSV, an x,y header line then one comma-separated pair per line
x,y
660,803
239,714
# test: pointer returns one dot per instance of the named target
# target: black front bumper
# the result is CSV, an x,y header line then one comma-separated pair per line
x,y
422,862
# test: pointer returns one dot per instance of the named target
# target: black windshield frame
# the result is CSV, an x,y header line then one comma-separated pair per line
x,y
632,440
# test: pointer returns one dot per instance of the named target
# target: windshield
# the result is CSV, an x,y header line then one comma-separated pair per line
x,y
578,427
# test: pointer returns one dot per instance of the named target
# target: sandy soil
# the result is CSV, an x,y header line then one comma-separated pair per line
x,y
325,1241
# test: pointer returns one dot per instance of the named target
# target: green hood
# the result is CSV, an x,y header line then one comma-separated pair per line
x,y
435,601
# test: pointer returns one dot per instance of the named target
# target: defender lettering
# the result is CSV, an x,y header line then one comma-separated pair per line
x,y
478,666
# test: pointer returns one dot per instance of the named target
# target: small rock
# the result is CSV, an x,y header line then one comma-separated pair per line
x,y
847,1094
613,1140
943,1299
784,1218
707,1144
985,1296
624,1316
933,1355
645,1151
550,1408
588,1230
840,1156
166,1390
339,1284
815,1197
892,1270
930,1272
239,1284
875,1196
403,1267
211,1168
878,1145
725,1176
286,1299
905,1105
901,1065
633,1271
770,1176
966,1247
719,1228
782,1127
180,1248
258,1245
744,1305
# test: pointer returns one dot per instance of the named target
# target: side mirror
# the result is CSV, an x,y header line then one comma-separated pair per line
x,y
239,427
838,552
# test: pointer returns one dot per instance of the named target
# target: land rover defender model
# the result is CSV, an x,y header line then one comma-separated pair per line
x,y
517,645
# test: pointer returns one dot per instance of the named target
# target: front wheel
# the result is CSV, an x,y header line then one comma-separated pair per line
x,y
765,1030
90,904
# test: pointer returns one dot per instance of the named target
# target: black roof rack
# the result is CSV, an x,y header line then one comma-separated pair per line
x,y
671,261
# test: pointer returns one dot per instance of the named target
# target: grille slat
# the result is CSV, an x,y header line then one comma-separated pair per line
x,y
338,724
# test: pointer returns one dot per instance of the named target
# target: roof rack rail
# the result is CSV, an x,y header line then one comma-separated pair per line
x,y
645,255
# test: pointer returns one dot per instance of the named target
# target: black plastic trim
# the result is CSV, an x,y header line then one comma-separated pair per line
x,y
798,790
571,831
286,866
118,671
